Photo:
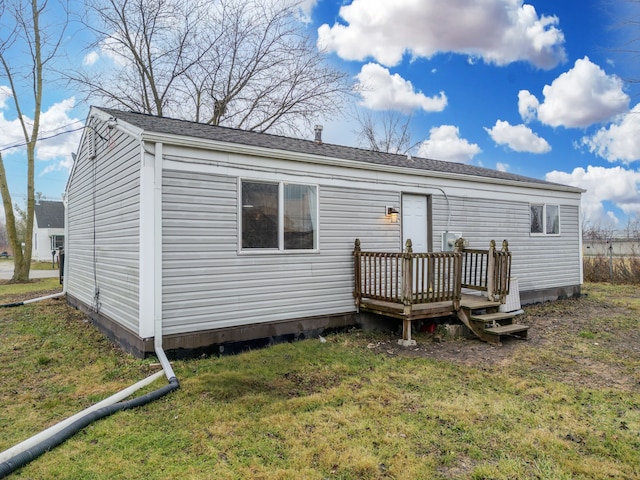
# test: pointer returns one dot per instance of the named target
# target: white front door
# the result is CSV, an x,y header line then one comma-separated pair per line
x,y
415,224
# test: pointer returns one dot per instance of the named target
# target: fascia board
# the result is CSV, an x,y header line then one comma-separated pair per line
x,y
121,125
192,142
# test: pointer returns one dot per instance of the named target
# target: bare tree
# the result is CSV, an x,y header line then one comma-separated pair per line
x,y
603,231
385,132
26,49
632,228
247,64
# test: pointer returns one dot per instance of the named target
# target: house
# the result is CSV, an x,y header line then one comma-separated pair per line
x,y
48,229
216,235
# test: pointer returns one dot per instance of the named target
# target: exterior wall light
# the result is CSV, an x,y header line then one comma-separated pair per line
x,y
392,212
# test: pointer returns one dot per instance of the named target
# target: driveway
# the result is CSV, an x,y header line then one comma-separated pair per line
x,y
6,271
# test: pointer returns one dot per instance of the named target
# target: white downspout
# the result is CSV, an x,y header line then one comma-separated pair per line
x,y
157,260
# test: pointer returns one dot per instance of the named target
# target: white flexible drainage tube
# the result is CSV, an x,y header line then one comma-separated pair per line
x,y
121,395
26,451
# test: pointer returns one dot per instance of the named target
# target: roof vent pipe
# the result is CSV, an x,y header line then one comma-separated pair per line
x,y
318,130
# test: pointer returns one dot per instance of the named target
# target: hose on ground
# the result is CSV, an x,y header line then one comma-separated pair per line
x,y
9,305
34,452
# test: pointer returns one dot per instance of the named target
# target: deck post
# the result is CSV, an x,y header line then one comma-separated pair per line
x,y
407,274
505,272
357,290
491,268
407,294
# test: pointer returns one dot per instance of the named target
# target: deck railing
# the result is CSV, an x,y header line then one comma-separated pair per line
x,y
416,278
407,278
486,270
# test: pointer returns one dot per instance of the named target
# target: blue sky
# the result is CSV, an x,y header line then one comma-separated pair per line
x,y
538,88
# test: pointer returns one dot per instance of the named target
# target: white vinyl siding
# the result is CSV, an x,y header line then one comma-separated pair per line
x,y
112,181
539,262
208,284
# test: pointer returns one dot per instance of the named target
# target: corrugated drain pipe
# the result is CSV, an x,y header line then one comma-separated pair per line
x,y
24,452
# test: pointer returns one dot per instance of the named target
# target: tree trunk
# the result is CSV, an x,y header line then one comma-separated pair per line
x,y
20,267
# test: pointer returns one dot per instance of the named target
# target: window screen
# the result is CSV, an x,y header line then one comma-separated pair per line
x,y
299,217
537,218
552,219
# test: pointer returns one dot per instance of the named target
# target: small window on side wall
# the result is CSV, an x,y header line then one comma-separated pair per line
x,y
545,219
278,216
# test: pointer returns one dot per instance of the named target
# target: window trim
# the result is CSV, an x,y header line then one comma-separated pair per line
x,y
544,220
52,240
280,250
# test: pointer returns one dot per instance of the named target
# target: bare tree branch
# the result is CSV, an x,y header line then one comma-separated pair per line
x,y
246,64
387,131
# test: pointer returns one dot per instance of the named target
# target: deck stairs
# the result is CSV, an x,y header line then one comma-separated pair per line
x,y
484,318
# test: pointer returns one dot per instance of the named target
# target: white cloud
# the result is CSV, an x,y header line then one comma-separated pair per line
x,y
617,185
380,90
498,31
579,97
5,94
444,143
612,217
54,122
619,141
11,129
90,58
308,5
518,138
502,167
527,105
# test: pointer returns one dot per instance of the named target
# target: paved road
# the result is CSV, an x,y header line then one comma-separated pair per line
x,y
6,271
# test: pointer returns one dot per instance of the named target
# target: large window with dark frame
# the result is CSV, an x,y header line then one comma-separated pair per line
x,y
545,219
278,216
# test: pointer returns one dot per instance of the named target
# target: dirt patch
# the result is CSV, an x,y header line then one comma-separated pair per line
x,y
575,341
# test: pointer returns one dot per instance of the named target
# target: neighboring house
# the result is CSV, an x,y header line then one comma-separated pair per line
x,y
48,229
217,235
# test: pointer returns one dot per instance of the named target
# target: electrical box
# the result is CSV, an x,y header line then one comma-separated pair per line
x,y
449,240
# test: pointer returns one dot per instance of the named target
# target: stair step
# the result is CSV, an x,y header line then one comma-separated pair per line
x,y
477,303
507,329
492,317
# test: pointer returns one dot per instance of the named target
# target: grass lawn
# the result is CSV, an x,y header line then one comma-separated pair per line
x,y
341,409
43,266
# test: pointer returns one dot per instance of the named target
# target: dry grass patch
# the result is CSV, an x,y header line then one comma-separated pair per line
x,y
354,407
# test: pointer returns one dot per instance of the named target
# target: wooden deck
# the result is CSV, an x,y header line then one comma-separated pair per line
x,y
416,286
423,311
417,312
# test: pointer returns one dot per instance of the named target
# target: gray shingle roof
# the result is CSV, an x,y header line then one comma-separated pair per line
x,y
186,128
49,214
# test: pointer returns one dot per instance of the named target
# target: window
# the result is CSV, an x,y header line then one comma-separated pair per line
x,y
57,241
278,216
545,219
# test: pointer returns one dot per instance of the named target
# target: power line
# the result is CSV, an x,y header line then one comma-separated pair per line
x,y
24,144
